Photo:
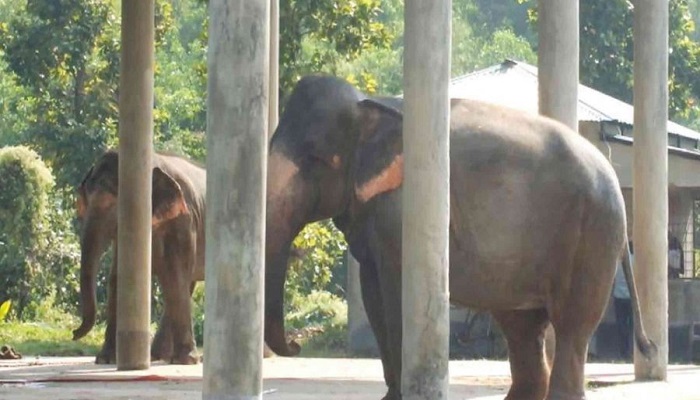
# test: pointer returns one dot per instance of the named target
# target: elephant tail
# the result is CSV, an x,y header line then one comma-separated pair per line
x,y
647,347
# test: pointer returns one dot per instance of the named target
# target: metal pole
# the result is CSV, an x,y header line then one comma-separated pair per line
x,y
558,59
237,120
650,186
135,172
426,201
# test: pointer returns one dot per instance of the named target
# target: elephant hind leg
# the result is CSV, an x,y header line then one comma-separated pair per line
x,y
524,330
573,329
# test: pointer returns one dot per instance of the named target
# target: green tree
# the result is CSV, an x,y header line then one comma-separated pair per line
x,y
482,35
65,55
607,46
180,81
37,250
318,35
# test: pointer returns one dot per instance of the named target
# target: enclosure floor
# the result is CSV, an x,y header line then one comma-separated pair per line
x,y
307,378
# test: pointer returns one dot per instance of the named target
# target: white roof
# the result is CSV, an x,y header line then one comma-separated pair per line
x,y
514,84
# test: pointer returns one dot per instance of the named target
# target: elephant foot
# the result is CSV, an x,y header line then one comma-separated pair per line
x,y
186,358
267,352
527,391
106,356
158,355
560,395
392,394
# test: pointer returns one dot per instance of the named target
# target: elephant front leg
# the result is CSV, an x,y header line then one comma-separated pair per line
x,y
162,346
372,300
175,284
390,287
108,353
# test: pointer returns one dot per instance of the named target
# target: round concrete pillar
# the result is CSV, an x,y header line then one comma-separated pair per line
x,y
274,84
237,124
651,179
426,201
558,59
135,174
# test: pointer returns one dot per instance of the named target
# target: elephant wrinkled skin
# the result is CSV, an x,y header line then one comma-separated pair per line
x,y
537,224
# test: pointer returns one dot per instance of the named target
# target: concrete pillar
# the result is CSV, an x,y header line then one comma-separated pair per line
x,y
237,121
273,110
651,179
426,201
135,174
558,59
361,340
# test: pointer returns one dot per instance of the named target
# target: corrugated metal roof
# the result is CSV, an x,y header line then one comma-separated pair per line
x,y
514,84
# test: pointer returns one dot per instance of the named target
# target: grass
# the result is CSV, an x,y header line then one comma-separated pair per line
x,y
49,339
317,321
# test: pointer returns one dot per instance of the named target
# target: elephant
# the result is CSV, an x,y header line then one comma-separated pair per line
x,y
537,224
179,189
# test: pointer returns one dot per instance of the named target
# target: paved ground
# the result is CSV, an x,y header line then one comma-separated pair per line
x,y
307,378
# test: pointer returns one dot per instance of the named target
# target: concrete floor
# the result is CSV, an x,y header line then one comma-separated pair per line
x,y
307,378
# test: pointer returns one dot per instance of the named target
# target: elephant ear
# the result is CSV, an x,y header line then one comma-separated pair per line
x,y
168,198
102,177
379,156
81,201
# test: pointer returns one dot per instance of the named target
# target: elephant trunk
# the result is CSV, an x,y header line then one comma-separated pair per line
x,y
283,223
276,271
91,248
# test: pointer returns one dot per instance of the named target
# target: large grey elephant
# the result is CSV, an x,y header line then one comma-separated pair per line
x,y
179,189
537,224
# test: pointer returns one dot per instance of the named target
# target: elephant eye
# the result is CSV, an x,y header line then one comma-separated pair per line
x,y
312,159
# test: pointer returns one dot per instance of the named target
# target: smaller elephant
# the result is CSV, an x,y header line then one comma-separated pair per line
x,y
179,189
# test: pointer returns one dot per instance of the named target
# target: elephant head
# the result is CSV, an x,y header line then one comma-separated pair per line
x,y
333,151
97,214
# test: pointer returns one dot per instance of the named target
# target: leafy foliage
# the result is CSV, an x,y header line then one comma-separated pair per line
x,y
319,322
198,313
4,309
318,35
34,240
320,248
607,53
65,54
482,35
180,81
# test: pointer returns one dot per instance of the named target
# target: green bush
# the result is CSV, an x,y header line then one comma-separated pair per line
x,y
319,321
317,309
38,252
198,313
319,249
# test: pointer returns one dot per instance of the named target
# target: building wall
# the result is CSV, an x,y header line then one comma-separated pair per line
x,y
683,170
684,186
